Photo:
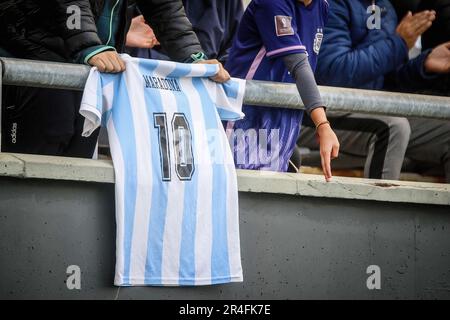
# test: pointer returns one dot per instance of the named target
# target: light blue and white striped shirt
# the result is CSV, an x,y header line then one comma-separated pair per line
x,y
176,188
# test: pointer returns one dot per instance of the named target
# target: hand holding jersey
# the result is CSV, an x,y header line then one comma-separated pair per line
x,y
111,62
222,75
107,61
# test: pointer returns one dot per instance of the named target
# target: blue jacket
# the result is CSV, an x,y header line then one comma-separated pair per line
x,y
354,56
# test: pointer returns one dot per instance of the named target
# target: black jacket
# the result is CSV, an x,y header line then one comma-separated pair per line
x,y
37,29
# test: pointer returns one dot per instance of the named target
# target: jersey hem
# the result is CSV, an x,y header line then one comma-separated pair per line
x,y
142,282
92,123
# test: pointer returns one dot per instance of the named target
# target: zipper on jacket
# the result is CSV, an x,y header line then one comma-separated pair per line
x,y
111,21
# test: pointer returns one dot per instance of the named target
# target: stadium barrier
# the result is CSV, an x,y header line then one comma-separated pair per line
x,y
72,76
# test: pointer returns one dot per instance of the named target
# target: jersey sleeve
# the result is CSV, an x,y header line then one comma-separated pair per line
x,y
277,27
92,103
229,97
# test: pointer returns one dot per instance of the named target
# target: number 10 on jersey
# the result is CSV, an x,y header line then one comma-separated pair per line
x,y
181,146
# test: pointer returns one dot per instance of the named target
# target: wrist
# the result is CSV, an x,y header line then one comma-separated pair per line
x,y
323,127
196,57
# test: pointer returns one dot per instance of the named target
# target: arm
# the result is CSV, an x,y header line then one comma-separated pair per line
x,y
299,67
411,76
415,75
84,45
342,63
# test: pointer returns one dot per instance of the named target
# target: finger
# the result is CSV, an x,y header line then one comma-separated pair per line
x,y
120,63
423,27
322,163
148,44
99,64
108,65
416,24
221,77
116,61
211,61
115,64
407,17
422,14
420,19
225,75
335,152
326,164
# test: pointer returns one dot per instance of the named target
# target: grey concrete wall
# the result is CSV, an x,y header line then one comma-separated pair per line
x,y
292,247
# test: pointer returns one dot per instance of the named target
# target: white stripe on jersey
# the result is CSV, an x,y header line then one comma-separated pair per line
x,y
144,178
232,217
175,203
203,245
119,173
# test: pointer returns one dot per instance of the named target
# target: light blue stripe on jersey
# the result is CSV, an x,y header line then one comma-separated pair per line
x,y
99,104
123,124
188,229
106,79
220,267
183,70
189,223
157,220
227,115
231,88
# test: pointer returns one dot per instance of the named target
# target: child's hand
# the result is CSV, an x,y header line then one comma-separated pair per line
x,y
329,148
329,144
140,34
108,61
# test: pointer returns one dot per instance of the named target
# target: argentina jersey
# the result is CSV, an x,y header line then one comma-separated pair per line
x,y
176,186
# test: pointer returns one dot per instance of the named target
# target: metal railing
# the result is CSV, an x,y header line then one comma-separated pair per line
x,y
72,76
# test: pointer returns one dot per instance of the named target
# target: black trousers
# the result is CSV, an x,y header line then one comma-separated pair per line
x,y
44,121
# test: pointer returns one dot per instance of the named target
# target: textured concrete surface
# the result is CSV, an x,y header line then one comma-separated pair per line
x,y
292,247
57,168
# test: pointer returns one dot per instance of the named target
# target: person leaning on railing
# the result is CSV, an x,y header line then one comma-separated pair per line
x,y
46,121
366,47
279,41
